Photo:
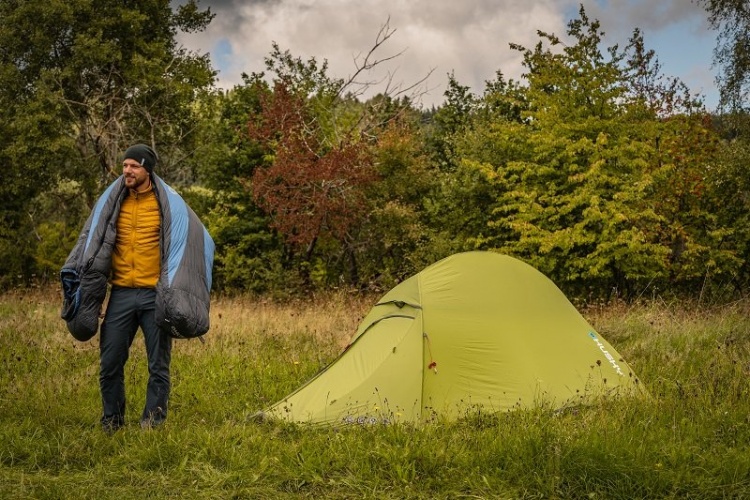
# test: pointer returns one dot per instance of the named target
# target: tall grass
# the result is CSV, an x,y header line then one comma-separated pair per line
x,y
689,439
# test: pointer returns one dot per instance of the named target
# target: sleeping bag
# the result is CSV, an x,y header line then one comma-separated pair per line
x,y
184,285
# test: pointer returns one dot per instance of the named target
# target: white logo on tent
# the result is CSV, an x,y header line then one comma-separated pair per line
x,y
607,355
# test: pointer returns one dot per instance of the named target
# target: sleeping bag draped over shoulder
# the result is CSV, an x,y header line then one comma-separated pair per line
x,y
184,285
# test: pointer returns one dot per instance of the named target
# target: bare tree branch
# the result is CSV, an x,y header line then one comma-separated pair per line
x,y
356,87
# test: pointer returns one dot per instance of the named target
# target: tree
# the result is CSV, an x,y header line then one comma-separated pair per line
x,y
311,189
449,121
249,253
597,168
79,81
397,239
732,53
478,132
574,200
319,142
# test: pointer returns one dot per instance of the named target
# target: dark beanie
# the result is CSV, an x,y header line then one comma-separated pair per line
x,y
142,154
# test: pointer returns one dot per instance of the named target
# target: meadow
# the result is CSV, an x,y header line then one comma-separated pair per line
x,y
689,439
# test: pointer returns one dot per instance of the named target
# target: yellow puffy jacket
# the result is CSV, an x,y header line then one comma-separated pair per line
x,y
136,257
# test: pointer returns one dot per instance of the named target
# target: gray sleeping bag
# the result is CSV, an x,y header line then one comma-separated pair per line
x,y
184,286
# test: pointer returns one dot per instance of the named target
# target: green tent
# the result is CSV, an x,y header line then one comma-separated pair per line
x,y
477,330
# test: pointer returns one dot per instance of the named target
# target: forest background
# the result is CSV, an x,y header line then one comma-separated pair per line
x,y
594,167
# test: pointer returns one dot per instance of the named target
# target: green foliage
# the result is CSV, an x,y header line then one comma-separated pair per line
x,y
594,172
249,254
594,167
226,154
325,173
729,183
56,217
113,72
395,241
449,121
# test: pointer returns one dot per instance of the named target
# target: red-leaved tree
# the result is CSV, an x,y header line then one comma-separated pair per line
x,y
311,187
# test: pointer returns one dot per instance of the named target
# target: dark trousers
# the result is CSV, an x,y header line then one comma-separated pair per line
x,y
128,309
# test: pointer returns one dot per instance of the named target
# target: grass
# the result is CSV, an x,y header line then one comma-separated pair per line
x,y
688,440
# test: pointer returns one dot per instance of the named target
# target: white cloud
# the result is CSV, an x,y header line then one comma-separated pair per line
x,y
470,38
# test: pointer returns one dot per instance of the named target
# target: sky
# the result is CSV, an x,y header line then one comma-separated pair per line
x,y
431,39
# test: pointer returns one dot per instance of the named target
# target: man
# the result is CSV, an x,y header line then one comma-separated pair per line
x,y
158,258
135,271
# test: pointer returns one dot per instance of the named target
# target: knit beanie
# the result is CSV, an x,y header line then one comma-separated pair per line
x,y
142,154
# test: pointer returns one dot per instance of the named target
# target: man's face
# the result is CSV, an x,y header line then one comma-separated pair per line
x,y
136,176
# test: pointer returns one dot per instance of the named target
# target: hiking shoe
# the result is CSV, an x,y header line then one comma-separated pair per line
x,y
110,425
151,423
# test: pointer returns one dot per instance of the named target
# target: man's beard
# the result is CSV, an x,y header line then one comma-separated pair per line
x,y
134,183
